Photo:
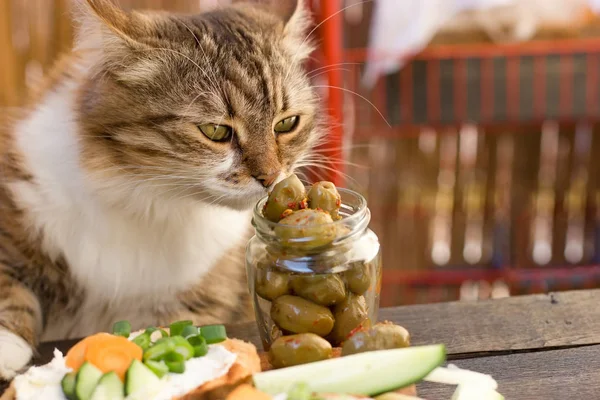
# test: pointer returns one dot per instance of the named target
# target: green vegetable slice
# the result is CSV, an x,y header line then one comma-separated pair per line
x,y
299,391
367,373
122,328
152,329
177,367
86,381
213,333
139,377
160,349
68,385
109,387
159,368
190,330
177,327
200,345
183,347
174,356
143,341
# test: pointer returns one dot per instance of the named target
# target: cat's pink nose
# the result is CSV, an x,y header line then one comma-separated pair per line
x,y
267,179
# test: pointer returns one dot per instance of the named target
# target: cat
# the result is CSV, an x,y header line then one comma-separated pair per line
x,y
127,186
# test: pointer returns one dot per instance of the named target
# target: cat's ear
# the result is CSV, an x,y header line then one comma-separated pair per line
x,y
297,21
102,24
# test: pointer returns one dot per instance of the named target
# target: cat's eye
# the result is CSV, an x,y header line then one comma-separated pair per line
x,y
216,133
287,125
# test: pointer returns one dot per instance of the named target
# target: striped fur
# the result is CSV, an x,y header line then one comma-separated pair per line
x,y
113,205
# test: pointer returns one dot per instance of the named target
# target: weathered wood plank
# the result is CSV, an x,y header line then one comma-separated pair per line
x,y
551,374
515,323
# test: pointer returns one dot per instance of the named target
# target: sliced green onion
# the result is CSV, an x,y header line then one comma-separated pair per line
x,y
153,329
200,346
122,328
177,327
196,340
201,350
159,368
143,341
177,367
213,333
160,349
190,330
183,347
174,357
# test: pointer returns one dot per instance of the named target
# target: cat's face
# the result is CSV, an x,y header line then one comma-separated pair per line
x,y
214,107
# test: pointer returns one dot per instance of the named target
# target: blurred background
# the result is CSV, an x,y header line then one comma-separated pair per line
x,y
470,125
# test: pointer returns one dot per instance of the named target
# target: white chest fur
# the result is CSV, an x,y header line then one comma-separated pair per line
x,y
110,253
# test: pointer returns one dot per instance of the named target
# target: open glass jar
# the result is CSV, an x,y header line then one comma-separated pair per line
x,y
324,279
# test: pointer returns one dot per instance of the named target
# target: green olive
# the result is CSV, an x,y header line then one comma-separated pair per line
x,y
359,342
387,335
350,315
306,229
358,278
271,283
326,289
297,315
299,349
289,194
382,336
324,195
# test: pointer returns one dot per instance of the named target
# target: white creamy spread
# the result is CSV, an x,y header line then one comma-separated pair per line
x,y
44,382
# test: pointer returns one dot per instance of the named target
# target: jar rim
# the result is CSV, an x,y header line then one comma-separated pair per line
x,y
355,219
359,211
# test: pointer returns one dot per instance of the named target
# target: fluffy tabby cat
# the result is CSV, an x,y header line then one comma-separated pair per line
x,y
127,187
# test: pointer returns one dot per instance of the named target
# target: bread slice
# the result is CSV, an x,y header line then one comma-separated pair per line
x,y
246,364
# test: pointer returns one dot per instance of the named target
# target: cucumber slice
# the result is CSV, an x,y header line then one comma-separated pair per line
x,y
86,381
109,387
138,377
68,385
368,373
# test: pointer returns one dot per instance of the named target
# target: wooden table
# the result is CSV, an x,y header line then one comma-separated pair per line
x,y
538,347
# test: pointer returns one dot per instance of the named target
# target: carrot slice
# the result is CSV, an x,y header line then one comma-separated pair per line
x,y
76,355
114,354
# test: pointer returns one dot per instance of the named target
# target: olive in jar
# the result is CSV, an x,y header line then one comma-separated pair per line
x,y
306,229
297,315
349,315
382,336
326,289
289,194
358,277
271,283
298,349
325,196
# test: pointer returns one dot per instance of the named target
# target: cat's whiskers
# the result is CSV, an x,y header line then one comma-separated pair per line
x,y
326,67
329,70
358,95
187,108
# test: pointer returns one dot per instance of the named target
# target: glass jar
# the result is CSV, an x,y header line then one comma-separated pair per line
x,y
313,280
